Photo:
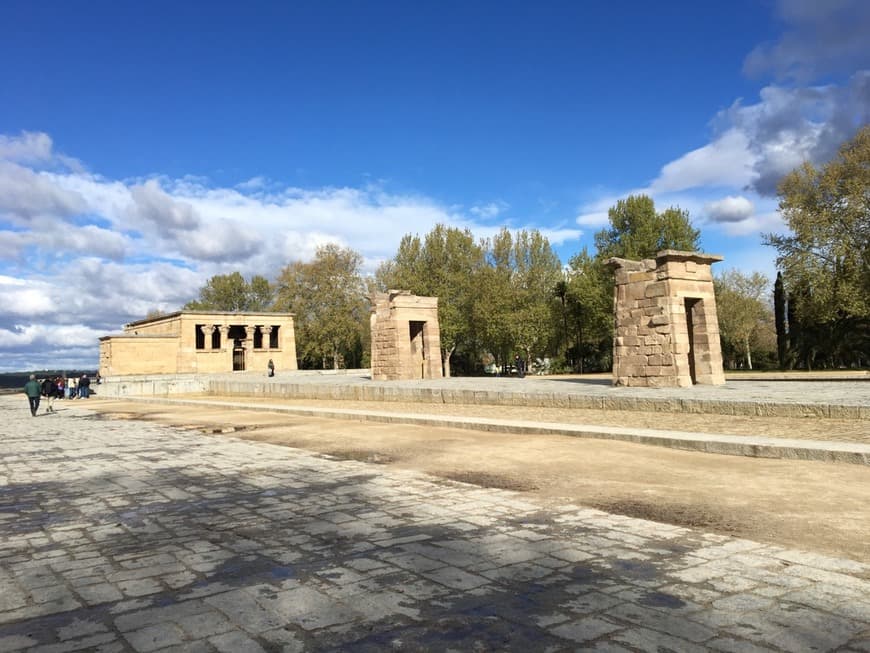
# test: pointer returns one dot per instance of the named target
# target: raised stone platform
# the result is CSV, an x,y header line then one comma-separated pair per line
x,y
819,397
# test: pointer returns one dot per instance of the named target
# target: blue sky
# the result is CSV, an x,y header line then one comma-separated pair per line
x,y
146,147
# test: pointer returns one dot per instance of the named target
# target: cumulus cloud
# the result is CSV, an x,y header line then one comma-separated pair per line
x,y
795,119
19,298
792,125
25,194
729,209
724,162
28,147
151,204
82,255
222,241
820,38
755,145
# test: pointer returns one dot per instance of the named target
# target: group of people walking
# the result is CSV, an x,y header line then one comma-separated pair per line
x,y
56,388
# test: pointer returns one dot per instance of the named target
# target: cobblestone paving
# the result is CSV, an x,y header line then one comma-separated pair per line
x,y
130,536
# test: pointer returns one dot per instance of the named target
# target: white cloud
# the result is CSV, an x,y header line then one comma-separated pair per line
x,y
791,125
592,218
82,254
151,204
29,147
821,37
726,161
489,211
729,209
25,194
19,298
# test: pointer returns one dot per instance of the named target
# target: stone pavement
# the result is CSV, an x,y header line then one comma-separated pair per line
x,y
131,536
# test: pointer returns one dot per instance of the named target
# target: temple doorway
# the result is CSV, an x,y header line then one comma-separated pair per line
x,y
238,359
693,312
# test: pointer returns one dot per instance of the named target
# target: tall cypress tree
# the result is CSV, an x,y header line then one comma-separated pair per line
x,y
779,318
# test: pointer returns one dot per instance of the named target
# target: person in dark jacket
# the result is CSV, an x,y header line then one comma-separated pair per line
x,y
33,390
49,391
84,387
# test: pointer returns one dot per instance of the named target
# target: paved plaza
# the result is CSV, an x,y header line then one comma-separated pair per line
x,y
132,536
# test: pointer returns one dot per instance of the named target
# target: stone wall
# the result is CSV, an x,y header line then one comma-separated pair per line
x,y
406,338
667,330
182,342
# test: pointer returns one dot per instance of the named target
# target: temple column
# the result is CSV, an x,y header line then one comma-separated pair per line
x,y
248,344
225,336
206,335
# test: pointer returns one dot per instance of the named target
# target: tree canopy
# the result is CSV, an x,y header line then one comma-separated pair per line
x,y
589,308
328,297
230,292
445,264
825,255
636,231
745,316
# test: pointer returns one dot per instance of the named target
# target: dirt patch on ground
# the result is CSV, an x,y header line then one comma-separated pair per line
x,y
680,514
800,428
362,456
488,479
812,506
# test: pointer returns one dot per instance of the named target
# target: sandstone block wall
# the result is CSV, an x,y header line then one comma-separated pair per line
x,y
667,330
181,342
406,338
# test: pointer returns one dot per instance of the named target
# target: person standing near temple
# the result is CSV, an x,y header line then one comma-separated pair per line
x,y
271,367
84,387
32,389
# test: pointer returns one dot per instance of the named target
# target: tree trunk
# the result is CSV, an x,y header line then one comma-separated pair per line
x,y
446,361
779,313
748,354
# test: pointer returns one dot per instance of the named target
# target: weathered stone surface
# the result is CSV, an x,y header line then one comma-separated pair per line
x,y
669,304
200,342
405,337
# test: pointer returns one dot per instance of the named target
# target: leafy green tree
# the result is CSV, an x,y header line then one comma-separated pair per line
x,y
328,297
519,309
590,309
446,265
230,292
636,231
744,313
825,256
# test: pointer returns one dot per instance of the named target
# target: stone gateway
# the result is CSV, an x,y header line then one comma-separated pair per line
x,y
406,338
667,331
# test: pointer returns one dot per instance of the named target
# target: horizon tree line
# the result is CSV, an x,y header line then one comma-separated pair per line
x,y
510,294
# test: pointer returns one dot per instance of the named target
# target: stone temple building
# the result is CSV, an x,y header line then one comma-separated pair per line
x,y
406,338
667,330
200,342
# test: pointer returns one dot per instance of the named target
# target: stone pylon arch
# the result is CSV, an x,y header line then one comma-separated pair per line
x,y
667,329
